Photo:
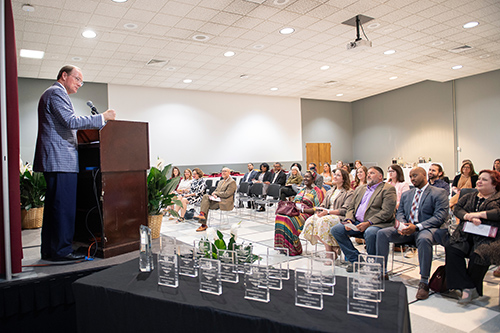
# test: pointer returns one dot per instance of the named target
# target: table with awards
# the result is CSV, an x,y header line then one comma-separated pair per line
x,y
189,291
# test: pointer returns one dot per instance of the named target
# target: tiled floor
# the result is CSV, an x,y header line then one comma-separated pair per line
x,y
436,314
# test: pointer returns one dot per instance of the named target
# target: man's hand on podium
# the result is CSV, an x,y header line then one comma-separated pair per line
x,y
109,115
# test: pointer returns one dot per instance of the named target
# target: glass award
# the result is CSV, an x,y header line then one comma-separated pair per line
x,y
168,274
209,276
274,271
308,289
202,249
356,306
256,286
228,266
370,269
168,245
186,260
244,254
280,254
323,262
146,262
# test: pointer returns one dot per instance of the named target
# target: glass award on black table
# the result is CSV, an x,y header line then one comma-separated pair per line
x,y
186,255
308,289
209,276
228,266
256,283
168,274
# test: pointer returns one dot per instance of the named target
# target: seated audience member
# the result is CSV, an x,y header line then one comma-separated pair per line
x,y
224,191
263,176
357,165
372,208
466,179
337,199
496,166
278,177
436,175
339,164
327,176
347,168
360,178
195,194
421,213
298,166
292,183
185,183
251,174
318,179
288,228
175,172
397,179
482,207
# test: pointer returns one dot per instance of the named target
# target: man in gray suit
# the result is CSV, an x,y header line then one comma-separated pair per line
x,y
421,212
56,155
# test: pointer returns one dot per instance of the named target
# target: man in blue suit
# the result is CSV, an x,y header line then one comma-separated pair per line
x,y
421,213
56,155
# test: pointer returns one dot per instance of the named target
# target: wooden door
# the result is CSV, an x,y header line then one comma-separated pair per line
x,y
319,153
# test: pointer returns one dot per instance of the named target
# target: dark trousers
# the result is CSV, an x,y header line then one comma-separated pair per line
x,y
59,214
286,191
458,275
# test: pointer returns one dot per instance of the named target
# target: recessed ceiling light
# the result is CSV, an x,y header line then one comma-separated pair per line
x,y
31,54
373,25
380,66
274,89
89,34
28,8
484,56
187,80
130,26
470,25
258,46
171,68
437,43
281,2
119,1
229,54
393,78
457,67
339,95
324,68
201,38
390,52
244,76
76,58
287,31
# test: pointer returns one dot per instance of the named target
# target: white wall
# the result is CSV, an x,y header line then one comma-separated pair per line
x,y
409,122
478,118
202,128
327,121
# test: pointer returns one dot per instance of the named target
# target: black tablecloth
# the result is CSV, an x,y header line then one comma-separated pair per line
x,y
122,299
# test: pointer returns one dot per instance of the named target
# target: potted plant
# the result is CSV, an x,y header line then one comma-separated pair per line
x,y
160,196
33,187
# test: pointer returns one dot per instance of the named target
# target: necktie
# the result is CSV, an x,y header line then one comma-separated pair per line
x,y
414,206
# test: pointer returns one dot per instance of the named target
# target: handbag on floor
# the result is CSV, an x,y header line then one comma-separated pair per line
x,y
437,282
189,214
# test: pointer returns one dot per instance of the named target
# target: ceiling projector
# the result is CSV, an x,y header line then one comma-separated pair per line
x,y
359,44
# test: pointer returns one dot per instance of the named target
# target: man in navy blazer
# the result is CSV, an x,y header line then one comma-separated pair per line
x,y
56,155
247,178
421,213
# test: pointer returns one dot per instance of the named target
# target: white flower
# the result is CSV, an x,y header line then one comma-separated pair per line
x,y
234,229
160,163
211,234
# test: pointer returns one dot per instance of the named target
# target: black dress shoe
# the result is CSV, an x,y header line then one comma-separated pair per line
x,y
70,257
45,256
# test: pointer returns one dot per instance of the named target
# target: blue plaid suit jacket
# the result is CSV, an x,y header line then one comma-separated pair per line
x,y
56,145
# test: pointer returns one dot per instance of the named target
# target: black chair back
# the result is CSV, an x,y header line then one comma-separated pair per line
x,y
274,191
243,189
256,190
209,183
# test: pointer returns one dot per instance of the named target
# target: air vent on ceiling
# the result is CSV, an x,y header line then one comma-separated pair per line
x,y
157,63
461,49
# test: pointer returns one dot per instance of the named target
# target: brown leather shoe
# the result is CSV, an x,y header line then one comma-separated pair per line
x,y
200,217
202,228
423,291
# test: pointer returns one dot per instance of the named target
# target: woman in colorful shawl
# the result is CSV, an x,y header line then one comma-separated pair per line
x,y
288,228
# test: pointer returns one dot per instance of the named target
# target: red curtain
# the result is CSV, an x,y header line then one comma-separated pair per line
x,y
12,151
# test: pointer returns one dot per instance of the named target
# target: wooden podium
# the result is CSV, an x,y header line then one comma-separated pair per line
x,y
112,190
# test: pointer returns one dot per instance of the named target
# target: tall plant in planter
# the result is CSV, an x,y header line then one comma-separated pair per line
x,y
33,187
160,195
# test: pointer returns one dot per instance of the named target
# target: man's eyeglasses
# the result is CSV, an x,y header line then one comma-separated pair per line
x,y
77,79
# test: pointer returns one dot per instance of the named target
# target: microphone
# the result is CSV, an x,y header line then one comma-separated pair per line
x,y
93,109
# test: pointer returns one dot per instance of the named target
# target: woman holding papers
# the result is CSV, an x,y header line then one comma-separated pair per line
x,y
288,228
317,227
479,215
195,193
